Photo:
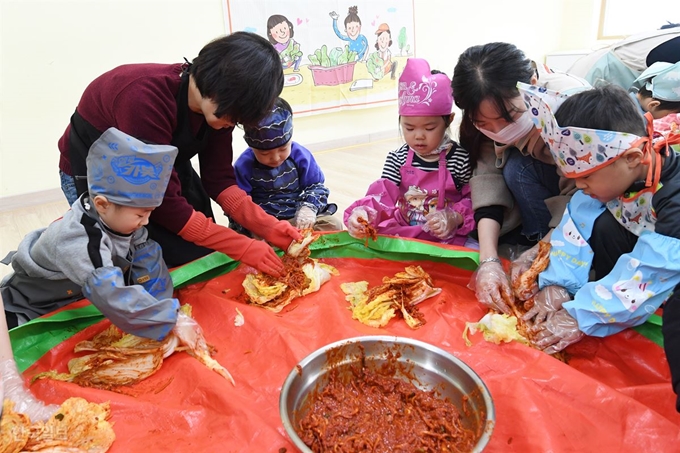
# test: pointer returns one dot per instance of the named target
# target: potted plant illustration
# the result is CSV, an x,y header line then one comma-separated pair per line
x,y
332,68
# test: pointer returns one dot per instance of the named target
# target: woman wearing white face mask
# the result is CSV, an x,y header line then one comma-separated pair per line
x,y
517,192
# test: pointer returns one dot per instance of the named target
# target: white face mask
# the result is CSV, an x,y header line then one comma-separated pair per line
x,y
511,133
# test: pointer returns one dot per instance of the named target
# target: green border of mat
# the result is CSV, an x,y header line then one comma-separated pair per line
x,y
32,340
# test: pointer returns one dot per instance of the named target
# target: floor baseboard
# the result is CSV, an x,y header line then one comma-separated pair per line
x,y
25,200
30,199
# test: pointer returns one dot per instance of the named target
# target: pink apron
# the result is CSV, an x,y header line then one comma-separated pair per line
x,y
419,194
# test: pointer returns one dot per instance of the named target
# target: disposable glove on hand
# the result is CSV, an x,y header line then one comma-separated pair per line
x,y
258,254
189,332
240,207
557,332
443,224
522,264
356,229
305,217
24,401
547,301
491,286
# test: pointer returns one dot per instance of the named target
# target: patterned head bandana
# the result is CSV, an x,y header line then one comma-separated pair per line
x,y
662,80
275,130
577,151
128,171
422,93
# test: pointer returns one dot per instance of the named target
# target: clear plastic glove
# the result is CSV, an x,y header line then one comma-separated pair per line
x,y
305,217
354,227
189,332
522,264
443,224
557,332
492,287
547,301
24,401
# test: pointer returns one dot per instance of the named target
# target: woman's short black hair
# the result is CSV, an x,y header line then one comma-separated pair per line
x,y
607,107
241,73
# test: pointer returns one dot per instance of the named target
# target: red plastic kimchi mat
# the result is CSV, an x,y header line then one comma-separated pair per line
x,y
613,396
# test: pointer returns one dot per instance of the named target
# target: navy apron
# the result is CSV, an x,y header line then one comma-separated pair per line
x,y
177,251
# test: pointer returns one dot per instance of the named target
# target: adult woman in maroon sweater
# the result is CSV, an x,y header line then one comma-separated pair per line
x,y
193,106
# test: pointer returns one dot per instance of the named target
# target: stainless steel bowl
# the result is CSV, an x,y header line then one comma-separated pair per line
x,y
428,367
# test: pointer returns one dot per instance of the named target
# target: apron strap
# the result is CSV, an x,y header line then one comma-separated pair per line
x,y
441,197
409,157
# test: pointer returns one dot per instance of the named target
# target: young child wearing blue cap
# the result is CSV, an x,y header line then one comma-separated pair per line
x,y
99,249
282,176
659,94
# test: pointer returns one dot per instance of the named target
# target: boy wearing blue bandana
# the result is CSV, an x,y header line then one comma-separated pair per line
x,y
622,222
282,176
99,249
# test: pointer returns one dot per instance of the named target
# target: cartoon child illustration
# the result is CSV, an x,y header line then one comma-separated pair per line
x,y
380,63
280,33
357,42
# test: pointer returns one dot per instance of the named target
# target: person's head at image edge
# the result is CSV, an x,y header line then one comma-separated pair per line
x,y
271,139
485,88
235,79
659,89
127,179
425,108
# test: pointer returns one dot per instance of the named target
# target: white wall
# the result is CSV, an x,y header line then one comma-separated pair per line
x,y
51,49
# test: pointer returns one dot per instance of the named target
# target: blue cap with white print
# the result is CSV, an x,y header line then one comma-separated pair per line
x,y
128,171
662,80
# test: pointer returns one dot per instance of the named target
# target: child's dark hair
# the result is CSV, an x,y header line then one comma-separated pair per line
x,y
607,107
663,105
275,20
280,102
241,73
352,15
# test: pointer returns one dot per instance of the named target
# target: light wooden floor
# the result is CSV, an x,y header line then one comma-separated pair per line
x,y
349,171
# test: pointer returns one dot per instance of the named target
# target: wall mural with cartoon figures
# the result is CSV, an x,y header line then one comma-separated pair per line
x,y
334,54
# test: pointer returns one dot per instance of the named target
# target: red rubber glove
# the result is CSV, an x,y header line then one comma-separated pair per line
x,y
239,206
203,231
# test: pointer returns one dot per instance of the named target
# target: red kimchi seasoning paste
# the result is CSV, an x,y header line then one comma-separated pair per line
x,y
371,410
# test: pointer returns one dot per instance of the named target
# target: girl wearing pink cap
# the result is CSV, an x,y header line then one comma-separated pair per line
x,y
423,191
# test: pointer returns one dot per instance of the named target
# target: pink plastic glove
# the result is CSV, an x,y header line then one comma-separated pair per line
x,y
492,287
521,265
547,301
24,401
443,224
305,217
356,229
557,332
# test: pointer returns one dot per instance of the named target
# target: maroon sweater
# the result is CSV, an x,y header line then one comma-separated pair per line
x,y
141,100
